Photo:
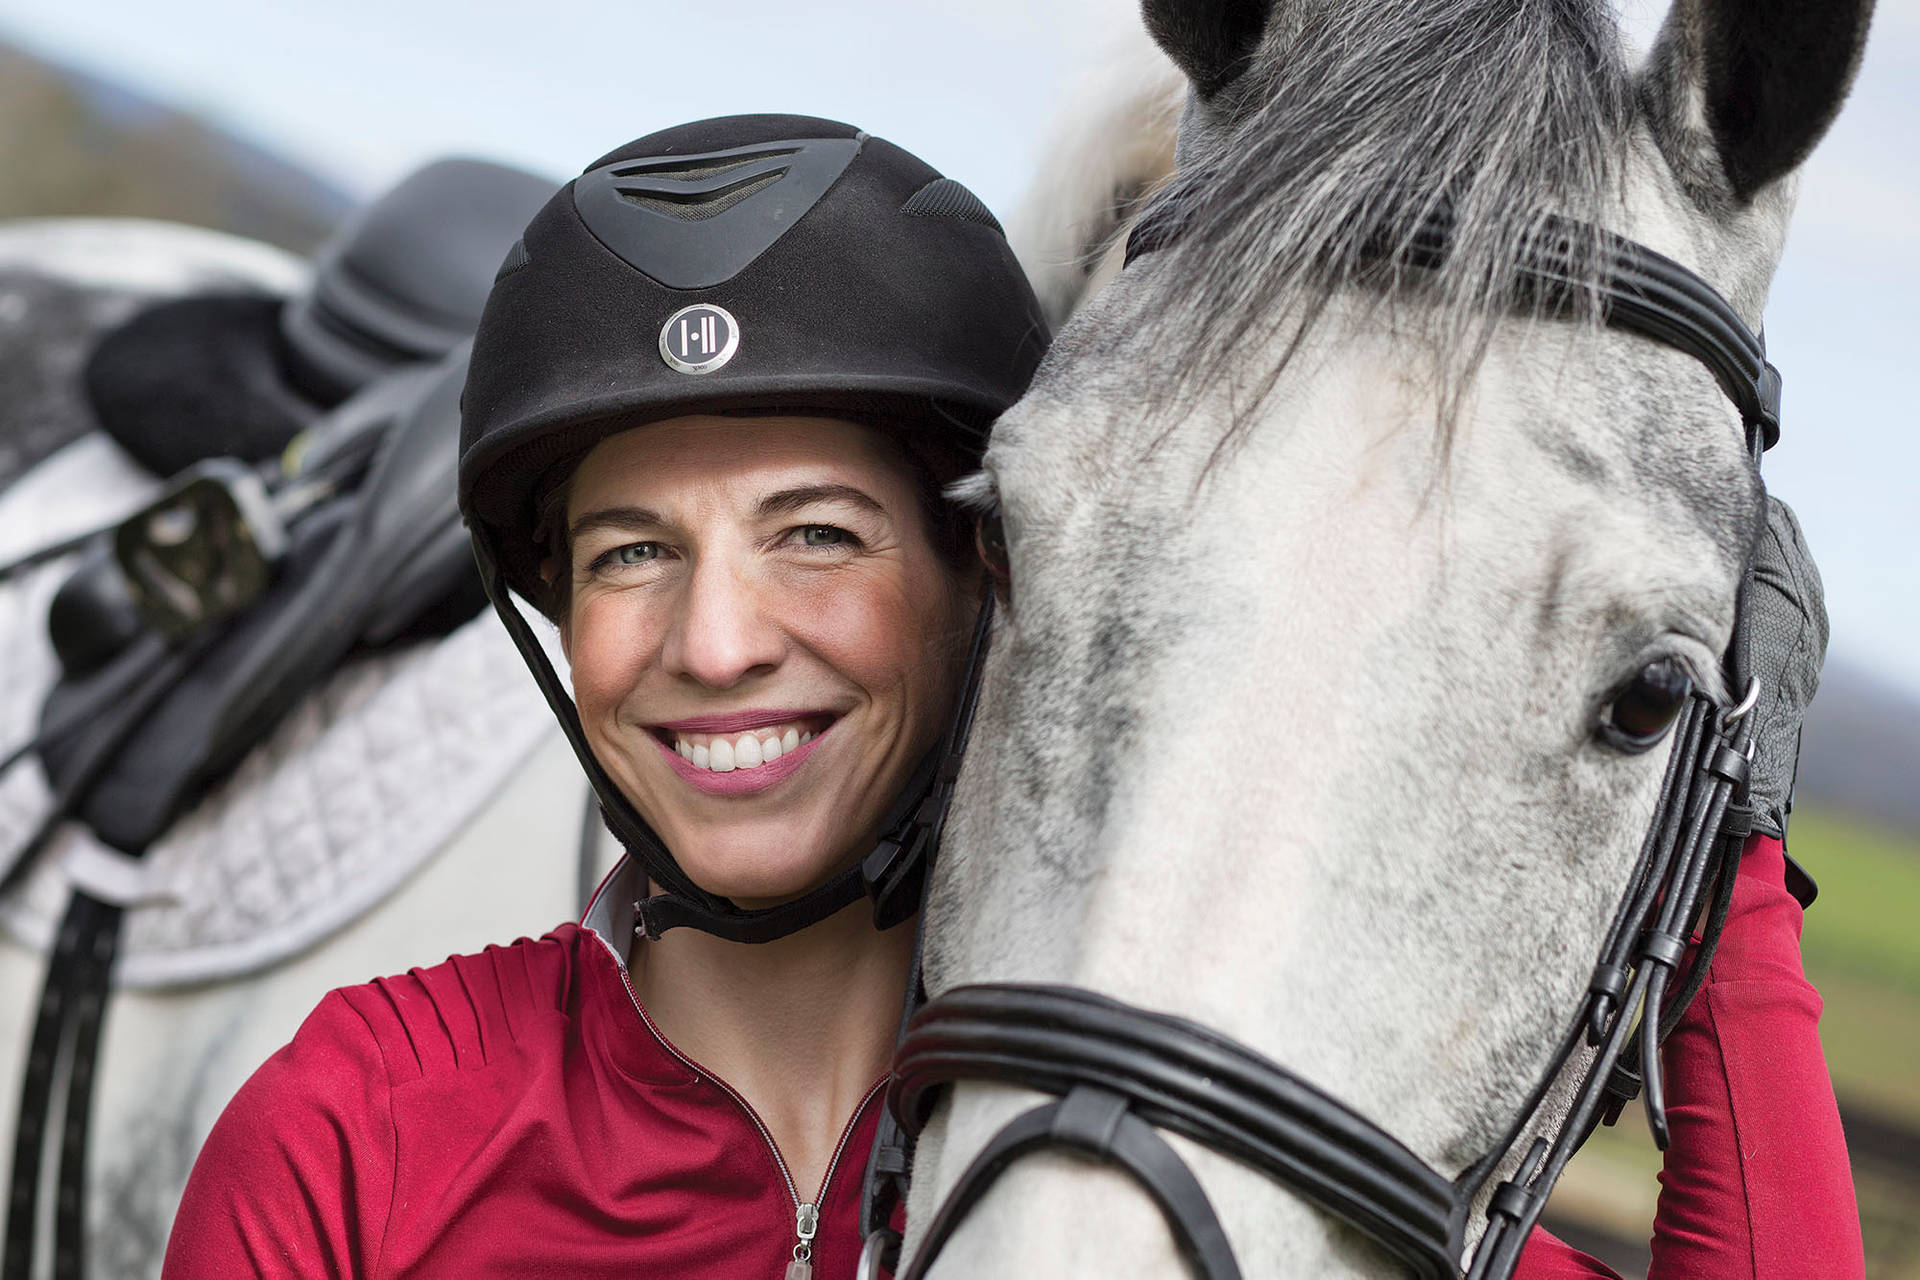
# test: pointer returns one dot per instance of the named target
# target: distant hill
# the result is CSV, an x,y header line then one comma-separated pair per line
x,y
71,143
1860,749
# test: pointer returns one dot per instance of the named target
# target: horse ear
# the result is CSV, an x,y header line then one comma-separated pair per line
x,y
1764,77
1210,40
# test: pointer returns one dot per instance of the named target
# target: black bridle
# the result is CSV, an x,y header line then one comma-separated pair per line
x,y
1120,1074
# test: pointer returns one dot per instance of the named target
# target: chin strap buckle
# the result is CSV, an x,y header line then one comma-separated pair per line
x,y
893,872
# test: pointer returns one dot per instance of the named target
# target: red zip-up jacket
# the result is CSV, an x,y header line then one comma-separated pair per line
x,y
515,1113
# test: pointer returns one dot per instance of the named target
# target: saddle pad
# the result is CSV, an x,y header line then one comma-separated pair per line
x,y
355,790
142,255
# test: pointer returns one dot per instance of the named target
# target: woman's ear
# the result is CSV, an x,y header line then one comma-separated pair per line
x,y
1737,92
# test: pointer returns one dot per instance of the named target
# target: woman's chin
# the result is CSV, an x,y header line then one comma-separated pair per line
x,y
750,878
757,892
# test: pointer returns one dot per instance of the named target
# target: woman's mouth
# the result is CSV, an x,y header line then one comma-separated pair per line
x,y
731,754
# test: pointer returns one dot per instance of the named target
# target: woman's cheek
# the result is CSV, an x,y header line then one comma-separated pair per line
x,y
860,621
609,653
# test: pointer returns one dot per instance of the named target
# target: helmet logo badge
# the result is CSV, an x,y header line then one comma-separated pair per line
x,y
699,339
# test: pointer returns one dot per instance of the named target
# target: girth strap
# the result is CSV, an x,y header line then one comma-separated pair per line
x,y
1098,1123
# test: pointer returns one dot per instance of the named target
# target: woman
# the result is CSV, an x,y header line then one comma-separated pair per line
x,y
711,404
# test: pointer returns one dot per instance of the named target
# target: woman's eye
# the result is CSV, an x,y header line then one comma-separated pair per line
x,y
1641,713
824,535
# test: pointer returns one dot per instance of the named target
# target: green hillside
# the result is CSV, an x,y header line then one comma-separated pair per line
x,y
71,144
1866,924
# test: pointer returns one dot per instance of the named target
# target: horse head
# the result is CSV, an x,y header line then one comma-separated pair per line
x,y
1350,595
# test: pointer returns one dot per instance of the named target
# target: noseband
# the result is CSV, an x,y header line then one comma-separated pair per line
x,y
1121,1074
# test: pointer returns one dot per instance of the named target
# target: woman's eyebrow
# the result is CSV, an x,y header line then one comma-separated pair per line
x,y
620,519
787,501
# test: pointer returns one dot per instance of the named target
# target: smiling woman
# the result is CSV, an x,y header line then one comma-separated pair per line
x,y
716,393
748,597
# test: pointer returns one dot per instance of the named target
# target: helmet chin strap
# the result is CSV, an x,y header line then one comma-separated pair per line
x,y
891,875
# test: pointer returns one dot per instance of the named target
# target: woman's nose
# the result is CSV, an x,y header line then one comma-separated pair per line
x,y
723,632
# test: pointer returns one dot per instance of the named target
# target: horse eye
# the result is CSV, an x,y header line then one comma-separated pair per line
x,y
990,537
1641,713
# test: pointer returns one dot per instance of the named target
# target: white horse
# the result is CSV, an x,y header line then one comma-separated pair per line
x,y
417,804
1323,577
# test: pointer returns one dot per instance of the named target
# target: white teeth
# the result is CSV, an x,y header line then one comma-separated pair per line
x,y
742,751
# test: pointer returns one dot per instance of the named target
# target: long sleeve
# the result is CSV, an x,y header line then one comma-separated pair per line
x,y
1756,1184
296,1178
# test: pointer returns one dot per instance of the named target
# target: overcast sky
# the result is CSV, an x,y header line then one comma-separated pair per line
x,y
363,90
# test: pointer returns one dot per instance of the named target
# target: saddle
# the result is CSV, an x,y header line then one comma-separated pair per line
x,y
351,540
129,743
315,520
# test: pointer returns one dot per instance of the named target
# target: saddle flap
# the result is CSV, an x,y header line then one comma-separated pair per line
x,y
353,561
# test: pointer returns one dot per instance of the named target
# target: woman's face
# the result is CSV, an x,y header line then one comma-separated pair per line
x,y
764,641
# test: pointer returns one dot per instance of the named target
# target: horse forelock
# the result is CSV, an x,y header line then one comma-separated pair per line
x,y
1357,122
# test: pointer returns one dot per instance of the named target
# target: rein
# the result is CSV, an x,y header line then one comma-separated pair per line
x,y
1120,1074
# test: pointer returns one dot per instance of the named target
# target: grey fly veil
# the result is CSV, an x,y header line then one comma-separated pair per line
x,y
744,263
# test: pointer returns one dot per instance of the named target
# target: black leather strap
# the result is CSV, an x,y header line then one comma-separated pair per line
x,y
1650,294
1097,1123
663,911
66,1036
1181,1076
1643,291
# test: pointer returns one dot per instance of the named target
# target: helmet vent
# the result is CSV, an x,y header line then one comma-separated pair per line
x,y
517,257
945,198
682,170
695,221
701,205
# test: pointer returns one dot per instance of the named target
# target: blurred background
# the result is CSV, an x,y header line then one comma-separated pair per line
x,y
273,121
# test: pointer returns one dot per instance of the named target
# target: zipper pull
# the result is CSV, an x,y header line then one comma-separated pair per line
x,y
806,1222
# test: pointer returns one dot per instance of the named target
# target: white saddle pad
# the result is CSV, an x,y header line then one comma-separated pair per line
x,y
351,794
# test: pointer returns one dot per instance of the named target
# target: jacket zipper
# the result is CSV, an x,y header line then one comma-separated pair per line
x,y
806,1214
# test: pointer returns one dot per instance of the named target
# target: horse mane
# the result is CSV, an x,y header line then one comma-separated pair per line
x,y
1110,152
1357,121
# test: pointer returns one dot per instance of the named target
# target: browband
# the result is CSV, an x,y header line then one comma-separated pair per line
x,y
1641,291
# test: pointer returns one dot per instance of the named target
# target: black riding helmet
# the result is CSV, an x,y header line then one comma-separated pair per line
x,y
741,263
